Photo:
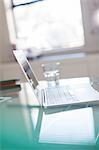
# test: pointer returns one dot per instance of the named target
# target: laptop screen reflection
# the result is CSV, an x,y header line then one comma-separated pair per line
x,y
67,127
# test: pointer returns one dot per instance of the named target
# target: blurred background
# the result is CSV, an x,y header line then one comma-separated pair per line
x,y
65,31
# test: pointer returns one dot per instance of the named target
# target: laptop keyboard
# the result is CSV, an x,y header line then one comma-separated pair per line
x,y
59,95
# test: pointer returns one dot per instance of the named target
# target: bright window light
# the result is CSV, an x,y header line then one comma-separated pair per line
x,y
49,24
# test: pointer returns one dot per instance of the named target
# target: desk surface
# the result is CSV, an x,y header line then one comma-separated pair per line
x,y
25,125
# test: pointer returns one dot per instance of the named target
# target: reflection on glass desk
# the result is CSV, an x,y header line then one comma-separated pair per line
x,y
25,125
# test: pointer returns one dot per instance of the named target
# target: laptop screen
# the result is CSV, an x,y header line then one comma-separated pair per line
x,y
26,68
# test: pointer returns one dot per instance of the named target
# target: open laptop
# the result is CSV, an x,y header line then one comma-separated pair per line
x,y
59,95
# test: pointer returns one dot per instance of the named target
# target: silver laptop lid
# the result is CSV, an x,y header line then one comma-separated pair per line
x,y
26,68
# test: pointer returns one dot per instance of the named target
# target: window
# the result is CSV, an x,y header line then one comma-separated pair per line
x,y
48,25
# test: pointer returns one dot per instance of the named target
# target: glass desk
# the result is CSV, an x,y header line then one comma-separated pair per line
x,y
25,125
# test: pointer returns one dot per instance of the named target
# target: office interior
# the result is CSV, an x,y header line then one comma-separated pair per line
x,y
36,128
81,62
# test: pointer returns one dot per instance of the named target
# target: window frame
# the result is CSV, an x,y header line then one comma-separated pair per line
x,y
57,51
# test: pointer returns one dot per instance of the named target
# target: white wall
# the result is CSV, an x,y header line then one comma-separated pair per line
x,y
5,44
89,8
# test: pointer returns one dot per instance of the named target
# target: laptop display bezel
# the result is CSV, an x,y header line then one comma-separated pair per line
x,y
26,68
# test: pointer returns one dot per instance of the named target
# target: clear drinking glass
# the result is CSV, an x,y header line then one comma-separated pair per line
x,y
51,73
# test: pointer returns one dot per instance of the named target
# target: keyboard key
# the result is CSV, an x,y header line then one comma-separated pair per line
x,y
59,95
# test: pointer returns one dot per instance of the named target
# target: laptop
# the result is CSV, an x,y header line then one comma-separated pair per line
x,y
59,95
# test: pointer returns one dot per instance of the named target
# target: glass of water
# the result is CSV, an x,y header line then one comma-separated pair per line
x,y
51,73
